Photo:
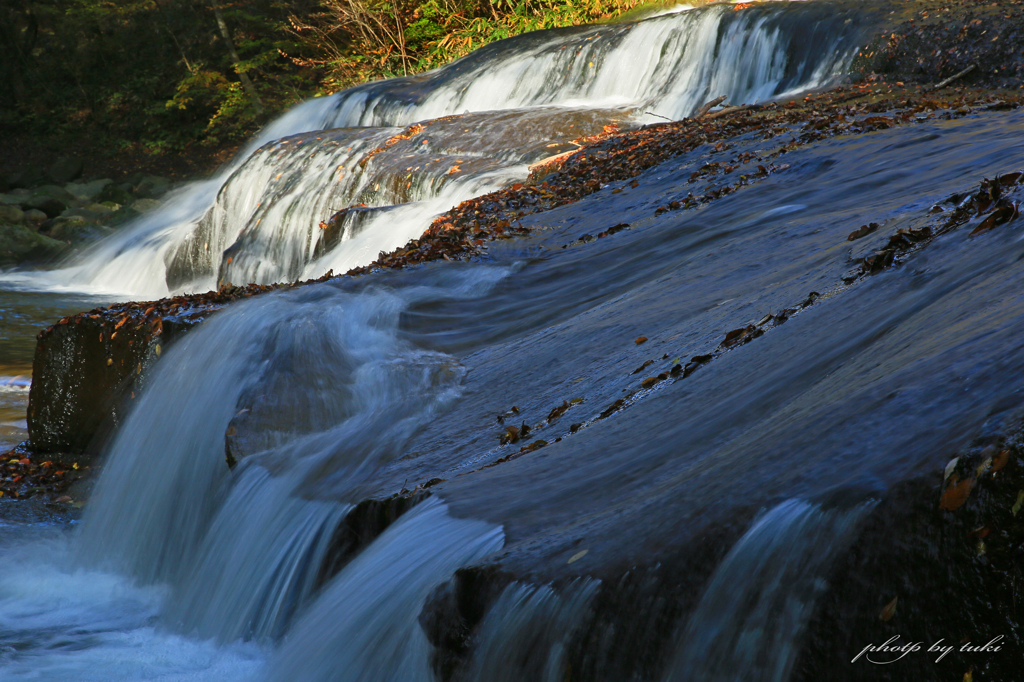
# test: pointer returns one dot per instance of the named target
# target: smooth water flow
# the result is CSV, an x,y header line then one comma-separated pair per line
x,y
748,623
258,221
381,594
525,634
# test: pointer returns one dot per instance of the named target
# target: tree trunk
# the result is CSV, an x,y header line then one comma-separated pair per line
x,y
243,76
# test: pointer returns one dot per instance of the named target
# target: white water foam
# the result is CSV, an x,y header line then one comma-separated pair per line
x,y
187,570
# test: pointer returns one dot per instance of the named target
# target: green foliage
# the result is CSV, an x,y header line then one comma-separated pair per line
x,y
157,75
353,41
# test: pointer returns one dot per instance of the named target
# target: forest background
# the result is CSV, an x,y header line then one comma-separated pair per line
x,y
191,79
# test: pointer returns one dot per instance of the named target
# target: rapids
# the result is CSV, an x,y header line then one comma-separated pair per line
x,y
688,535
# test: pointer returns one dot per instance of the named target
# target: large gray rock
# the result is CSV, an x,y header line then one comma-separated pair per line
x,y
11,214
85,214
88,190
20,244
11,198
121,216
65,169
55,191
34,217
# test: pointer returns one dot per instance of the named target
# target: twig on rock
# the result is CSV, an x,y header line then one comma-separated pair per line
x,y
949,80
707,107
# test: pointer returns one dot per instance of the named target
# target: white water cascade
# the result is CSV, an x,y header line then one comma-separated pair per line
x,y
257,221
747,625
185,556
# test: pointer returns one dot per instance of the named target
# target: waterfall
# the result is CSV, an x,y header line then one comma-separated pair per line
x,y
381,593
747,625
525,633
257,221
330,393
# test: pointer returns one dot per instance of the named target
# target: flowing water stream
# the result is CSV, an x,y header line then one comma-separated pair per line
x,y
184,568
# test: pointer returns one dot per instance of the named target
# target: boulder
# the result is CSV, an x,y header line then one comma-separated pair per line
x,y
152,187
86,367
51,206
145,205
29,178
10,198
76,230
88,190
101,209
65,169
11,214
85,214
34,217
113,193
20,244
121,216
134,180
57,192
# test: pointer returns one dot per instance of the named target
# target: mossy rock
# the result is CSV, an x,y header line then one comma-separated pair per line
x,y
121,216
115,194
20,244
77,231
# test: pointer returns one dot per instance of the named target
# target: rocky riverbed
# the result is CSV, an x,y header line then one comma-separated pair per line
x,y
47,216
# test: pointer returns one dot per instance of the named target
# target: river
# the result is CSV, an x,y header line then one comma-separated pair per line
x,y
730,492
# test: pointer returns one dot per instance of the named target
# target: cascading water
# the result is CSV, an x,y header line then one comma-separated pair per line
x,y
258,220
382,592
753,611
526,631
237,555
